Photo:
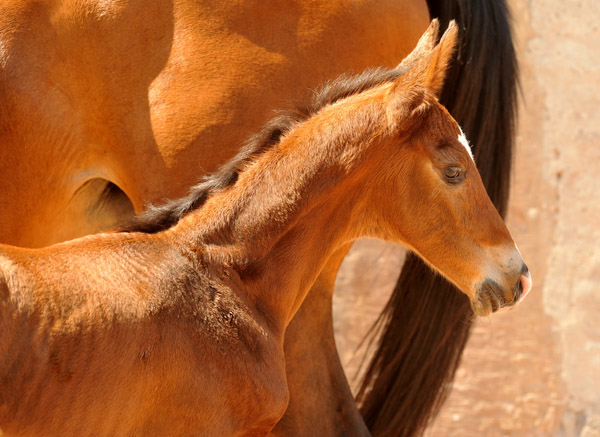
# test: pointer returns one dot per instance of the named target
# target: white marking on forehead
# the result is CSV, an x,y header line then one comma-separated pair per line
x,y
463,140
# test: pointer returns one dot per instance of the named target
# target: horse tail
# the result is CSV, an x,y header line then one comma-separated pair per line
x,y
426,323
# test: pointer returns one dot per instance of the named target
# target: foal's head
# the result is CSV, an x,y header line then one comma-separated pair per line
x,y
443,212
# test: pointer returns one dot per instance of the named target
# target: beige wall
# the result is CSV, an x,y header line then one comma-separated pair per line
x,y
534,371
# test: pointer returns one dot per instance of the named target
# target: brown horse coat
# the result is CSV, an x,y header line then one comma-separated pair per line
x,y
185,326
92,121
109,106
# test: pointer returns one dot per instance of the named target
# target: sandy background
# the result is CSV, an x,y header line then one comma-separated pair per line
x,y
534,371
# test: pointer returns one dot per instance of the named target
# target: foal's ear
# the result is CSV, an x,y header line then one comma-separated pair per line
x,y
440,58
425,68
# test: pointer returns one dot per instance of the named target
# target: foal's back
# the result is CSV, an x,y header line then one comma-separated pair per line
x,y
119,333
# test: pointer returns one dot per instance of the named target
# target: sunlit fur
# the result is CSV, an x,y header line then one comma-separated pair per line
x,y
181,331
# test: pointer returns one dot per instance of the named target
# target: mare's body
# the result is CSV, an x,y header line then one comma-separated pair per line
x,y
108,106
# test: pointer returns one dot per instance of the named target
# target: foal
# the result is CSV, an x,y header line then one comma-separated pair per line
x,y
181,331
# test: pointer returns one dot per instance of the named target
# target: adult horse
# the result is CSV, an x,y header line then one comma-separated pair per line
x,y
109,105
179,322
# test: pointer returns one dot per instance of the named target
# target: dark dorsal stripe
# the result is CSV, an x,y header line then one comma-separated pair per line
x,y
159,218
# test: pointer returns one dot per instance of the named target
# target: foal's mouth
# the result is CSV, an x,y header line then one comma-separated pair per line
x,y
491,297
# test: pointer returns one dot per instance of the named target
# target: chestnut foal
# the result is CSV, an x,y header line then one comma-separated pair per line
x,y
181,331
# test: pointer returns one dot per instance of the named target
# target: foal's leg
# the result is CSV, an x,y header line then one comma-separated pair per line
x,y
321,402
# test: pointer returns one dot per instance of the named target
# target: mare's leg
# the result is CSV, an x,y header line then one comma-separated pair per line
x,y
321,402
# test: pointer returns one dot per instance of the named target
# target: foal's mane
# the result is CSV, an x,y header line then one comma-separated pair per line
x,y
159,218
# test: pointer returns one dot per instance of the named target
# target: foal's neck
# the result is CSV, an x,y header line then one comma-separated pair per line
x,y
287,213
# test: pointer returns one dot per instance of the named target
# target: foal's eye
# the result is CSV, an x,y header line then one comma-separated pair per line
x,y
453,174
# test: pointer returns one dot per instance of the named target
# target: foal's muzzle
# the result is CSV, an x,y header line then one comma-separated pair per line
x,y
492,297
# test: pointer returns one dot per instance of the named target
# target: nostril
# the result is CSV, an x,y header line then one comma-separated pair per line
x,y
525,284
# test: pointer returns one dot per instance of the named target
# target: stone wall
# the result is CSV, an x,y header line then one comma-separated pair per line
x,y
534,371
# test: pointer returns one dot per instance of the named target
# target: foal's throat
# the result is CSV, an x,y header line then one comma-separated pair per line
x,y
286,214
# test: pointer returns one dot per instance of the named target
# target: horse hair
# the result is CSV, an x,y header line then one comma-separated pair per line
x,y
160,218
